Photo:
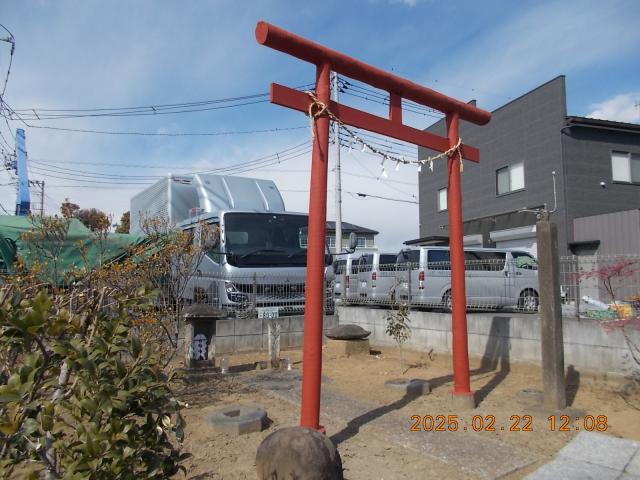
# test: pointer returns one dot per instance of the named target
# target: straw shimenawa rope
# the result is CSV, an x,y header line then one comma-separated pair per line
x,y
318,108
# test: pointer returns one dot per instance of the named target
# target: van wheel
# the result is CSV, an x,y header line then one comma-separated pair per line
x,y
446,301
528,301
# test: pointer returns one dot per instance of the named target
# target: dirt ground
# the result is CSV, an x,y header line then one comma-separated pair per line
x,y
379,444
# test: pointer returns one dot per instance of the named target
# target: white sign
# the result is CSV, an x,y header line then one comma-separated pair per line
x,y
268,312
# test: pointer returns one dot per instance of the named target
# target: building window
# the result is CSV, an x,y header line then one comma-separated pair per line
x,y
625,167
332,240
362,241
442,199
510,179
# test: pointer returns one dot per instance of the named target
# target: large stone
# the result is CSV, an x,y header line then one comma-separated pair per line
x,y
348,348
347,332
298,452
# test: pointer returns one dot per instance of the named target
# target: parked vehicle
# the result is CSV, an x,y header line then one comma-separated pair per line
x,y
493,278
345,287
255,262
376,277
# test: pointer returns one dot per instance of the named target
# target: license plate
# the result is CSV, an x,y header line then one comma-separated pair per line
x,y
268,312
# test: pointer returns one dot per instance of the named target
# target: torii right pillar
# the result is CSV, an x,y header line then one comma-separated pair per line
x,y
463,397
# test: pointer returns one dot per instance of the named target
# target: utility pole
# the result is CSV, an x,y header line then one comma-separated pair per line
x,y
338,175
40,185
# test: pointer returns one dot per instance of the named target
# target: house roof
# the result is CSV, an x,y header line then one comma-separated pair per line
x,y
350,227
603,124
434,240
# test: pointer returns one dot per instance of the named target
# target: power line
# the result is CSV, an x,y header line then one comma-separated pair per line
x,y
363,195
279,154
36,113
174,134
10,39
85,176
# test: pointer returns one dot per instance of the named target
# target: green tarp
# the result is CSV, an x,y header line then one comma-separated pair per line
x,y
80,248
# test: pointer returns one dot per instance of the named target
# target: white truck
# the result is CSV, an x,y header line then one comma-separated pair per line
x,y
257,263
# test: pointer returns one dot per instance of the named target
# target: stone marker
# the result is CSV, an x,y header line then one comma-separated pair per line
x,y
298,452
347,332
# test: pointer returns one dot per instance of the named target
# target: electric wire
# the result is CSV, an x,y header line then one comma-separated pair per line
x,y
76,175
169,134
11,39
38,114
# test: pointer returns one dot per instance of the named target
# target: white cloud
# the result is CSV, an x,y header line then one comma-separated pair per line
x,y
409,3
621,108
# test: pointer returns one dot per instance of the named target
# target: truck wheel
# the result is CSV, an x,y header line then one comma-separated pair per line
x,y
528,301
446,301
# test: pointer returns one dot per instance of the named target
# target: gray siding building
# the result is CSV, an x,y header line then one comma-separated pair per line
x,y
529,141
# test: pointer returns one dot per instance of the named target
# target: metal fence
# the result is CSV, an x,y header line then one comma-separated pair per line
x,y
489,284
603,287
256,295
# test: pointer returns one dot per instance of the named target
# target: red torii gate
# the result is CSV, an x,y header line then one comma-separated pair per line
x,y
326,60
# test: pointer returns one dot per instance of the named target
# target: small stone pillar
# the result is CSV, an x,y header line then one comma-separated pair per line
x,y
200,326
274,342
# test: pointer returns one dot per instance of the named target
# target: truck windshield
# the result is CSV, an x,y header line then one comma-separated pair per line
x,y
266,239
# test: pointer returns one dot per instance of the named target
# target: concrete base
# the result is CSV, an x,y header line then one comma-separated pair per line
x,y
414,386
238,420
463,401
347,348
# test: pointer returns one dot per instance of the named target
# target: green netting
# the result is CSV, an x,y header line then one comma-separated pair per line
x,y
79,249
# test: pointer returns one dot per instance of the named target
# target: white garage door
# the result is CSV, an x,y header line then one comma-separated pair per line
x,y
527,244
522,238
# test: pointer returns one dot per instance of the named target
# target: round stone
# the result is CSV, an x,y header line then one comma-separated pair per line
x,y
347,332
298,452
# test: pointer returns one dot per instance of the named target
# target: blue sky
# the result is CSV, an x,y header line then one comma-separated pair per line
x,y
108,54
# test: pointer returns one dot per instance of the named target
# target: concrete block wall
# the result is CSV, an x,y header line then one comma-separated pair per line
x,y
245,335
497,337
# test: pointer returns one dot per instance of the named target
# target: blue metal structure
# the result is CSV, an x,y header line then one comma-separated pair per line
x,y
23,200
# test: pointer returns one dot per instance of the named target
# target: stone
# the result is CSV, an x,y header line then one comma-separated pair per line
x,y
347,348
298,452
410,386
238,419
347,332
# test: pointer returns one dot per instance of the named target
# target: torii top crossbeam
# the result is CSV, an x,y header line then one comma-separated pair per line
x,y
398,88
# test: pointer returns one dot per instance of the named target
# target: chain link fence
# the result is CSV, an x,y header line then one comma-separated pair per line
x,y
602,287
256,295
490,284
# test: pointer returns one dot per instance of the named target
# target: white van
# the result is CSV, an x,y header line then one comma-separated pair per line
x,y
493,278
376,277
345,288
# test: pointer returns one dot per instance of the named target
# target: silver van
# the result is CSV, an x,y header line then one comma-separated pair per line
x,y
494,278
345,288
376,277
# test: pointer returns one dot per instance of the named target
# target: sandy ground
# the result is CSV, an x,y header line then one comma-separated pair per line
x,y
379,444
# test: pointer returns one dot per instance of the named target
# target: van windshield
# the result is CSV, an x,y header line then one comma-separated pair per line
x,y
266,240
